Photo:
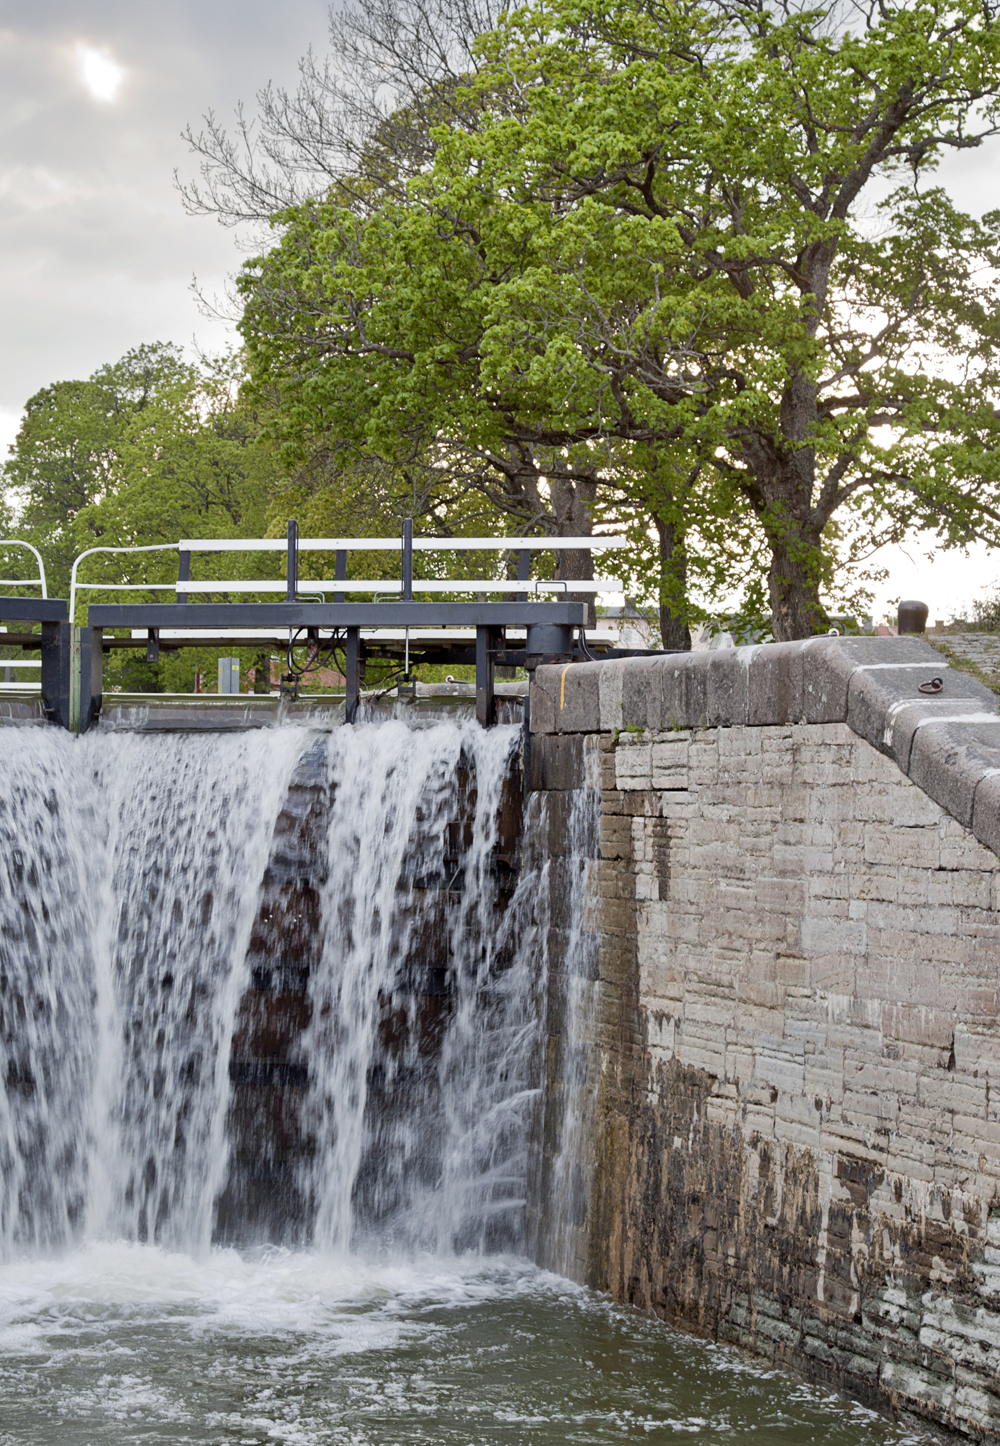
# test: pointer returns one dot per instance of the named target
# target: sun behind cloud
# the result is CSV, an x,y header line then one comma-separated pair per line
x,y
100,75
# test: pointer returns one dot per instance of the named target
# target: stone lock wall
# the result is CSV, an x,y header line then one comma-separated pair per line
x,y
795,1046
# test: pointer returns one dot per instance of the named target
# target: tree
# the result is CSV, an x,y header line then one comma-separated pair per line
x,y
147,450
66,452
647,234
185,463
775,335
365,121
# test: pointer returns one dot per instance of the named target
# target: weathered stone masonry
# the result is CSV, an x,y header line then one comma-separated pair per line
x,y
797,1128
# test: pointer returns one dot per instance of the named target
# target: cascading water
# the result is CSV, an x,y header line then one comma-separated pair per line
x,y
567,888
133,868
430,1119
128,916
47,992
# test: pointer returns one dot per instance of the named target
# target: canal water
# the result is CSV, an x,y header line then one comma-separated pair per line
x,y
124,1343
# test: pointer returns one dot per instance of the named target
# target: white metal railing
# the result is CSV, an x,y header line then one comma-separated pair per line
x,y
464,584
26,581
392,544
185,587
75,586
9,685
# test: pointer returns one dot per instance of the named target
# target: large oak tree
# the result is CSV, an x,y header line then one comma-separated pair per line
x,y
655,241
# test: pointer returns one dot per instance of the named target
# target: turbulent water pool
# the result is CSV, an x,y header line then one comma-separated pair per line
x,y
130,1343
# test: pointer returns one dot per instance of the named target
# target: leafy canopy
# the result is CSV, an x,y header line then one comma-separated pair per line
x,y
664,240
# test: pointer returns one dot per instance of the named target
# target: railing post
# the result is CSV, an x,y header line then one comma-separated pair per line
x,y
339,572
407,559
523,572
183,574
292,568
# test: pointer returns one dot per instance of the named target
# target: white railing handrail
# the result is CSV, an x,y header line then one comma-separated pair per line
x,y
463,584
393,544
350,544
151,547
25,582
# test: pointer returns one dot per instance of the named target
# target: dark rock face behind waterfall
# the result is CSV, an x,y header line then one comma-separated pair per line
x,y
450,934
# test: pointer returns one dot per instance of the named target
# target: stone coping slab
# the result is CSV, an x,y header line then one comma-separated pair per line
x,y
940,725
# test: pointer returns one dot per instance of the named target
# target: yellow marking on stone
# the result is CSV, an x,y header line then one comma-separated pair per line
x,y
562,686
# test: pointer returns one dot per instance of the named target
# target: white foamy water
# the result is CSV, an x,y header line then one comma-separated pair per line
x,y
568,903
133,867
137,865
136,1344
393,879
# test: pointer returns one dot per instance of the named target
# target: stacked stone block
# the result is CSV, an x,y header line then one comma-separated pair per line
x,y
796,1144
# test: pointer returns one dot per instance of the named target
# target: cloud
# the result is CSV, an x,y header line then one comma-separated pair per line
x,y
96,253
101,75
10,423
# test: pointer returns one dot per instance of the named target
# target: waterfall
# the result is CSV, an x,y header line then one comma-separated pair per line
x,y
562,831
47,990
412,828
283,984
130,867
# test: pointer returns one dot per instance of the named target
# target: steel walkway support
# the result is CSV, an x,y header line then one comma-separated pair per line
x,y
55,644
355,673
91,655
488,643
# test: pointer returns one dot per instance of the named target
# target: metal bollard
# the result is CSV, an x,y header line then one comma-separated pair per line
x,y
912,617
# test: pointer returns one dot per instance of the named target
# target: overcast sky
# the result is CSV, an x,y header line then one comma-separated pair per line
x,y
96,253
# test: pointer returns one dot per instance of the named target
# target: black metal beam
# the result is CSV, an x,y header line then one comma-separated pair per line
x,y
33,610
487,642
56,653
335,615
354,665
407,559
292,564
523,572
91,660
183,574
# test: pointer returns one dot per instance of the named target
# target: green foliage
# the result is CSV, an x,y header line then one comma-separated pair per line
x,y
146,451
153,449
986,613
66,455
646,248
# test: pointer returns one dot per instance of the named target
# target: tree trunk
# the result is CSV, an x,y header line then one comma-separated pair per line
x,y
674,631
793,586
782,496
573,509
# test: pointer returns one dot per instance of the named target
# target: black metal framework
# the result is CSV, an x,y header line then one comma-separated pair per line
x,y
53,641
554,629
550,628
